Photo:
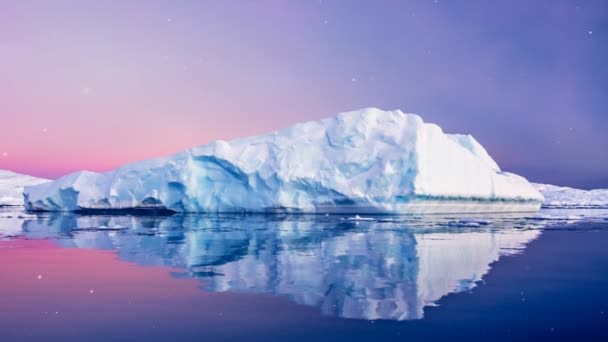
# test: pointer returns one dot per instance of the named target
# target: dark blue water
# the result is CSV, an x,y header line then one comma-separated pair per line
x,y
497,277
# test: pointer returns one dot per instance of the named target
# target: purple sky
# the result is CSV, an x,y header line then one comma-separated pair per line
x,y
94,84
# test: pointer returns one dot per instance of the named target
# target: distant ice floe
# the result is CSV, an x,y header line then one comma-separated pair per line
x,y
564,197
469,222
11,187
565,214
359,218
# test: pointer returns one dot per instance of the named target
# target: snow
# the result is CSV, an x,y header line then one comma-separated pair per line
x,y
11,187
362,162
564,197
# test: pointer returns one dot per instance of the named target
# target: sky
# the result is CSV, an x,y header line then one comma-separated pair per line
x,y
95,84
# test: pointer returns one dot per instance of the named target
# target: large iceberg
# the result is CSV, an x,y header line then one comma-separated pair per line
x,y
11,187
565,197
366,161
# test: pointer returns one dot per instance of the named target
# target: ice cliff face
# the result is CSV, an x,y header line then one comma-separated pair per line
x,y
11,187
367,161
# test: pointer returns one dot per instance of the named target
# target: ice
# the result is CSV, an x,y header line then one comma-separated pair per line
x,y
359,218
11,187
564,197
469,222
362,162
556,217
590,214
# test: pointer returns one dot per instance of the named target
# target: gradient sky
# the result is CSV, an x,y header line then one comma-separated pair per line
x,y
94,84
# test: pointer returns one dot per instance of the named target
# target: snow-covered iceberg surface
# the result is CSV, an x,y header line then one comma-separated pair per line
x,y
11,187
366,161
564,197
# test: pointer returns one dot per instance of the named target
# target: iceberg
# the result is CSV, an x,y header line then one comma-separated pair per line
x,y
565,197
11,187
361,162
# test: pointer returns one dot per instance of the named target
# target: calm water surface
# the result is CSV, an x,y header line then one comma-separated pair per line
x,y
66,277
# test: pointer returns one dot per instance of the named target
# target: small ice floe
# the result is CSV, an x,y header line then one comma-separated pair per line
x,y
469,222
359,218
111,227
556,217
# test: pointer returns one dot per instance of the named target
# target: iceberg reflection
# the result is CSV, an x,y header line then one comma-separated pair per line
x,y
366,269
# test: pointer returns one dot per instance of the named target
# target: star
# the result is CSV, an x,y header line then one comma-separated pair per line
x,y
44,130
590,32
86,91
5,154
354,79
169,20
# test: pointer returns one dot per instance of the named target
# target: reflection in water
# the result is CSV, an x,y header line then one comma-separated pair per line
x,y
369,269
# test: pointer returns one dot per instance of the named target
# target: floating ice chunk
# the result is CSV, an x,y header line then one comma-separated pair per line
x,y
549,217
469,222
480,221
359,218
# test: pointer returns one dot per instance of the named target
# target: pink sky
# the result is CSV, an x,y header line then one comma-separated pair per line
x,y
93,85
